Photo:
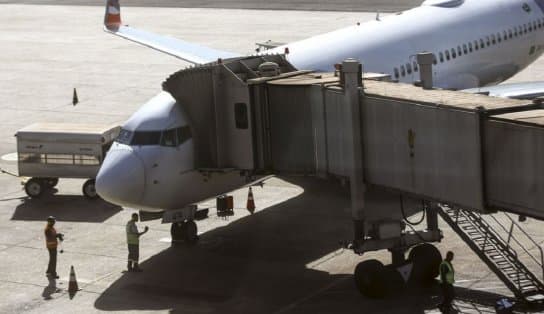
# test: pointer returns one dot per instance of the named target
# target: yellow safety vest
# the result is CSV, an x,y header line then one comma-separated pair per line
x,y
132,233
51,238
450,275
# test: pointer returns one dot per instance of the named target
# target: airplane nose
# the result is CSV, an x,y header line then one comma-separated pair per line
x,y
121,178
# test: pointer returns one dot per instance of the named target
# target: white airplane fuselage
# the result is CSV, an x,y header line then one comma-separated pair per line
x,y
393,41
148,171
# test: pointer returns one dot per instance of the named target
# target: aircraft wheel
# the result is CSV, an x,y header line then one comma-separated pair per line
x,y
176,231
369,280
34,188
89,189
190,231
51,182
426,261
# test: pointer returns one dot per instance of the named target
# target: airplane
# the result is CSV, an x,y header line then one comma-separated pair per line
x,y
152,167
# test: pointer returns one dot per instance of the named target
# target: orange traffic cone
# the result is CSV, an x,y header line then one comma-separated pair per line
x,y
72,284
250,202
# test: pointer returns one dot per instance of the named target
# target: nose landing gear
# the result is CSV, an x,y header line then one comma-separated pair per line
x,y
185,231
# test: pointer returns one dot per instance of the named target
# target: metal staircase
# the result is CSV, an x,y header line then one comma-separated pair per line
x,y
497,251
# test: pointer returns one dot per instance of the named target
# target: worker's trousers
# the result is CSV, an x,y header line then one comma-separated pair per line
x,y
52,266
448,295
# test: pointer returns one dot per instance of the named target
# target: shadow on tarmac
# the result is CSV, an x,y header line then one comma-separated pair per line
x,y
74,208
258,264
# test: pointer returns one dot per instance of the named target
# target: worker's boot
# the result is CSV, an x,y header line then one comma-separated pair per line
x,y
129,266
137,268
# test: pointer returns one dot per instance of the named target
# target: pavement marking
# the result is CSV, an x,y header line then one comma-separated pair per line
x,y
291,306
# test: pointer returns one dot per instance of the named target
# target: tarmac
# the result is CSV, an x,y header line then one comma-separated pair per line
x,y
285,258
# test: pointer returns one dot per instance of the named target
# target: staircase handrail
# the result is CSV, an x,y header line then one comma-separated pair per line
x,y
511,236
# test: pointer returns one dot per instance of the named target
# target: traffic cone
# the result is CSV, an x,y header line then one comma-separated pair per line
x,y
72,284
250,202
75,99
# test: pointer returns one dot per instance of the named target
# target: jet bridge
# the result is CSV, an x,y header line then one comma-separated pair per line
x,y
403,149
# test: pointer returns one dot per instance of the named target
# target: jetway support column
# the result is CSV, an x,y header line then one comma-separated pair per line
x,y
352,79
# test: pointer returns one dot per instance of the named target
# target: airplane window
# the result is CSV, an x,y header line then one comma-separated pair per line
x,y
447,55
515,31
525,28
539,23
396,70
435,62
534,25
453,53
409,68
184,134
499,37
470,47
493,39
510,33
169,138
416,67
504,35
476,45
530,27
465,49
124,136
441,55
459,52
146,138
402,71
487,41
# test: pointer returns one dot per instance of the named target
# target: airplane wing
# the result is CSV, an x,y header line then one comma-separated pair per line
x,y
187,51
526,90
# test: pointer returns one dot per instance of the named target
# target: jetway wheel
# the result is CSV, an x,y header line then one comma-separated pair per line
x,y
34,187
369,278
426,259
89,189
51,182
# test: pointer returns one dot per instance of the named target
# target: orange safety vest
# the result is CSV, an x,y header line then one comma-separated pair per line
x,y
51,238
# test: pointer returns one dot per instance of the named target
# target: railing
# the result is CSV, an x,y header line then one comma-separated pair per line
x,y
510,232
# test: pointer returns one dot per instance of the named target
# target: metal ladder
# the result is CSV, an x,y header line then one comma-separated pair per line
x,y
497,252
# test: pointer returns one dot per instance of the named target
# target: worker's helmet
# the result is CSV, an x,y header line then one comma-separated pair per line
x,y
51,219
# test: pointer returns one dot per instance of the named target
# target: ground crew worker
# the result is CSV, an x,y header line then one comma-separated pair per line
x,y
51,242
447,278
133,241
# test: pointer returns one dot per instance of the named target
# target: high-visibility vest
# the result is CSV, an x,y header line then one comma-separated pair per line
x,y
50,237
132,233
450,275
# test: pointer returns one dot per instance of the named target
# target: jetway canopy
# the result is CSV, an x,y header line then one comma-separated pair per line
x,y
473,151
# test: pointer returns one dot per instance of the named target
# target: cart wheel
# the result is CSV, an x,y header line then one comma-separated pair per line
x,y
51,182
34,188
89,189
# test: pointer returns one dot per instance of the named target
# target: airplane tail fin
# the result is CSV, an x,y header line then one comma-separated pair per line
x,y
112,18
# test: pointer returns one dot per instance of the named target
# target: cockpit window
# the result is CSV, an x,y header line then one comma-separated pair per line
x,y
146,138
184,134
124,136
169,138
